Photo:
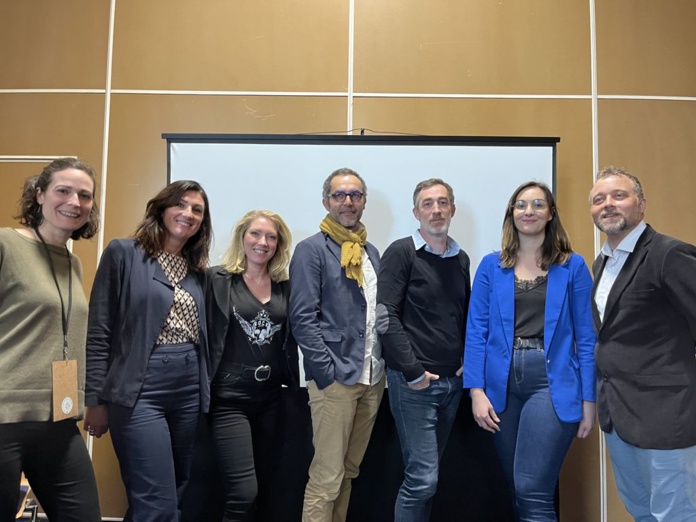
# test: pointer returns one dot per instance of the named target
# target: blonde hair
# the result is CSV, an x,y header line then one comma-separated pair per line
x,y
234,259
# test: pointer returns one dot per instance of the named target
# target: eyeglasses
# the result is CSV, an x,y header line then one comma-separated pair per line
x,y
354,195
537,205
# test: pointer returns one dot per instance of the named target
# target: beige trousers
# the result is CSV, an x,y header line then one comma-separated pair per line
x,y
342,421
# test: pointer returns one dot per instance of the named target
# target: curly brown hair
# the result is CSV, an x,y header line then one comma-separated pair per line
x,y
29,212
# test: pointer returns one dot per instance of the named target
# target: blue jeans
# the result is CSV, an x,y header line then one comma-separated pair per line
x,y
423,421
654,485
154,439
532,442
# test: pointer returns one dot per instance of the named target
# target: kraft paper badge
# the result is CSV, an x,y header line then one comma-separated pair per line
x,y
64,389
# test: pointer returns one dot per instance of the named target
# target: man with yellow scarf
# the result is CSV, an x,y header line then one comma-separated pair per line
x,y
333,277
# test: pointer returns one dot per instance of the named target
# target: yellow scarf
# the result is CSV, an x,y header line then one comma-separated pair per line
x,y
352,244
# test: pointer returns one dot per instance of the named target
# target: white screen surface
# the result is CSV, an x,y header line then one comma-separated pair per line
x,y
239,176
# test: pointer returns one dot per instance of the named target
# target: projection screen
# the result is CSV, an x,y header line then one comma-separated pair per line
x,y
284,173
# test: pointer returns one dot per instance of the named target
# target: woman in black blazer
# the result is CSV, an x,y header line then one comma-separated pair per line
x,y
251,352
147,377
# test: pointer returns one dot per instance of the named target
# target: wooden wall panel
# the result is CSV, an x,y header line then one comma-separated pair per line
x,y
646,47
12,176
52,124
137,159
655,141
57,125
473,47
294,45
568,119
53,45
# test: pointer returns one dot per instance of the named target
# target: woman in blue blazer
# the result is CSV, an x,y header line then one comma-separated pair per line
x,y
529,357
147,362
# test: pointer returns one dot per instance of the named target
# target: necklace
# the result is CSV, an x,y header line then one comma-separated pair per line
x,y
257,281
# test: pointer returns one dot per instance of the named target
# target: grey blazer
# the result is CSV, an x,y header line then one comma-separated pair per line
x,y
646,370
328,311
130,300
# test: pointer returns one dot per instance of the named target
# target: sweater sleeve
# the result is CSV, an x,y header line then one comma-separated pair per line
x,y
392,285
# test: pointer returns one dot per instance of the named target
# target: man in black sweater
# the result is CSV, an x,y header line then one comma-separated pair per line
x,y
423,294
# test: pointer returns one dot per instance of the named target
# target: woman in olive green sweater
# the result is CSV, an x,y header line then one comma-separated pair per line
x,y
43,318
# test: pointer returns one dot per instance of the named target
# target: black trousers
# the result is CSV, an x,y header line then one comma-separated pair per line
x,y
55,460
244,428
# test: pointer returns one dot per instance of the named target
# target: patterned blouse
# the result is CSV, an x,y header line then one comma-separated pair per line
x,y
182,323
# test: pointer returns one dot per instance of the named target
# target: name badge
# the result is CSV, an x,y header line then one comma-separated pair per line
x,y
64,390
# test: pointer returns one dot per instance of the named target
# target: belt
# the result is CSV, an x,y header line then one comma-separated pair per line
x,y
261,373
528,343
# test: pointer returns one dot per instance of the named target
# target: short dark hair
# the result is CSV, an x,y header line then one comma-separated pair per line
x,y
344,171
431,183
151,233
29,212
556,248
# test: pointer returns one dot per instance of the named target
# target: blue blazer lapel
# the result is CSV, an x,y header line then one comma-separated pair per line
x,y
556,292
333,247
373,255
504,283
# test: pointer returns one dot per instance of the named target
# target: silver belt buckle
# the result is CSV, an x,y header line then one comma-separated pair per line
x,y
517,343
259,373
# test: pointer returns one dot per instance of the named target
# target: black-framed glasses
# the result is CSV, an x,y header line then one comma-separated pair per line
x,y
537,205
354,195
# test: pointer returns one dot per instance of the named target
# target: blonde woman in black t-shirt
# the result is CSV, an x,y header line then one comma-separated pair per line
x,y
251,356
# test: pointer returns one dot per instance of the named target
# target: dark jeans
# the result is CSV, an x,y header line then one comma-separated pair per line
x,y
244,428
154,439
532,442
423,421
54,458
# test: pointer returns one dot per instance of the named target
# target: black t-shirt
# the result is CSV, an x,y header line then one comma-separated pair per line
x,y
256,331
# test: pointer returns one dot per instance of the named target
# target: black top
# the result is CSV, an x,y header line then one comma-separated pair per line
x,y
256,330
530,305
427,298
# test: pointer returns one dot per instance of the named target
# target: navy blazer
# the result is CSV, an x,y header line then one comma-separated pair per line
x,y
569,337
130,300
645,345
328,311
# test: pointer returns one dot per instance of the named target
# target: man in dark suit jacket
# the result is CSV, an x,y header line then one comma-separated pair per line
x,y
332,316
645,317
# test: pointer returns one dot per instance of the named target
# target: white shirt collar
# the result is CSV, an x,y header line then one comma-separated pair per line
x,y
628,244
452,250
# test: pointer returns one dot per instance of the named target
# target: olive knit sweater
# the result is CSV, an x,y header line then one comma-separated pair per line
x,y
31,335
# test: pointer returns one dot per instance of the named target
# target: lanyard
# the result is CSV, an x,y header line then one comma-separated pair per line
x,y
65,317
